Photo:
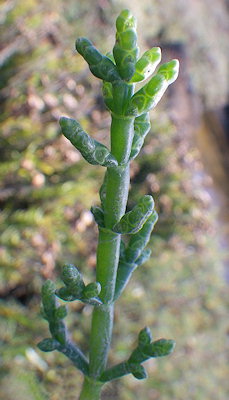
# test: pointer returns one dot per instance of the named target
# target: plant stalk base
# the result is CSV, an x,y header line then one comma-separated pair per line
x,y
91,389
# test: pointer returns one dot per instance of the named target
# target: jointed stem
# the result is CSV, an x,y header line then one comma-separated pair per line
x,y
91,389
109,247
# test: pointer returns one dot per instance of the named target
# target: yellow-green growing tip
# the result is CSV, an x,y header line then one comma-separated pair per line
x,y
125,20
125,14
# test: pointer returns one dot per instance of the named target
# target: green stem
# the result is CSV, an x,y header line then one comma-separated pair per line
x,y
116,372
108,249
91,389
122,131
76,356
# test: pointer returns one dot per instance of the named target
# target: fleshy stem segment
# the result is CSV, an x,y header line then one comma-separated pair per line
x,y
117,185
108,250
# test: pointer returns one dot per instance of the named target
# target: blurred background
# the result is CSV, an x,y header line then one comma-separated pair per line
x,y
47,190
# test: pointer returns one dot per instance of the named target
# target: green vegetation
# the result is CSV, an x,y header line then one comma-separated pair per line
x,y
46,190
115,260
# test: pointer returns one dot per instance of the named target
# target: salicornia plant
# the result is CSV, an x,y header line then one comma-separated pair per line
x,y
116,260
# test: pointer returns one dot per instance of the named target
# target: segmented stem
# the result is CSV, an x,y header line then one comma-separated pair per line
x,y
117,186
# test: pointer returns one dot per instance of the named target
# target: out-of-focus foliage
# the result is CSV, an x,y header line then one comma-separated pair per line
x,y
47,190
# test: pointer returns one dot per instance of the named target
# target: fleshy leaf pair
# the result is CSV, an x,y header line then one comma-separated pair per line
x,y
132,221
101,66
134,255
150,94
146,349
75,289
92,151
55,314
